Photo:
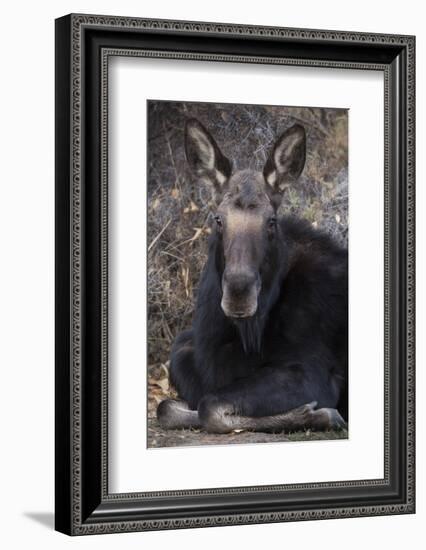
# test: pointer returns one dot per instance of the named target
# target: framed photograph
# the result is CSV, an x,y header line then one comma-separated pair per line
x,y
234,274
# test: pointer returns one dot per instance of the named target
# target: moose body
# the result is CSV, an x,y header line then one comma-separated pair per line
x,y
268,347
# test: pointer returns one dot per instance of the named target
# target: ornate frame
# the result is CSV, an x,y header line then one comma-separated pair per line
x,y
84,44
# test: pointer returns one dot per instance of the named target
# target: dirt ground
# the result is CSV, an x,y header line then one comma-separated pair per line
x,y
157,437
159,388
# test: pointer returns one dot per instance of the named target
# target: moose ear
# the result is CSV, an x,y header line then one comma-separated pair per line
x,y
287,159
204,156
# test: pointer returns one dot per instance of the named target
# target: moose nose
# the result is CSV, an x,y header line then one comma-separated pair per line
x,y
239,283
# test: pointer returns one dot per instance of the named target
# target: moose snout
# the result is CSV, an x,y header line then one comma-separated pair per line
x,y
240,292
239,283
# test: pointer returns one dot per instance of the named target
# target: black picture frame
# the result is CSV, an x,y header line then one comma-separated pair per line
x,y
83,46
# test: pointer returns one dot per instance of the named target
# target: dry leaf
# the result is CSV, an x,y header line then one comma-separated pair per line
x,y
164,368
164,384
175,193
197,234
191,208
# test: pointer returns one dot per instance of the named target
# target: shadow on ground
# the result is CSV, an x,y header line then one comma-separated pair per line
x,y
47,519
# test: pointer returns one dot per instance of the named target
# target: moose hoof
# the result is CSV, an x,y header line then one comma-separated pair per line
x,y
173,413
327,419
215,415
336,421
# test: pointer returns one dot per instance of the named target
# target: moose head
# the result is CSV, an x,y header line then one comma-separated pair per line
x,y
246,212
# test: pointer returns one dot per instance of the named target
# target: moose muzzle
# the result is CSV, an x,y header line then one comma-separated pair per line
x,y
240,292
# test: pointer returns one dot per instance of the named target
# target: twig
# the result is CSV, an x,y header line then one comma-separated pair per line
x,y
159,235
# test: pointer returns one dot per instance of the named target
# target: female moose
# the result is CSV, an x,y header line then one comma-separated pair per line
x,y
268,347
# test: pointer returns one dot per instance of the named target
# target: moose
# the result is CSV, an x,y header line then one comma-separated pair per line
x,y
268,347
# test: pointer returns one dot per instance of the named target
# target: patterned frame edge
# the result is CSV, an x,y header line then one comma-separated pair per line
x,y
107,53
77,23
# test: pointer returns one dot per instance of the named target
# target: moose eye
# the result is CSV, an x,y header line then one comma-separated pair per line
x,y
272,221
218,220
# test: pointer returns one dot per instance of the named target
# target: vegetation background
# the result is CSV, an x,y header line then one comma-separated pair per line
x,y
180,211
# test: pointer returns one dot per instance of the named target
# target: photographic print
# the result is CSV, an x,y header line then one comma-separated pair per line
x,y
247,273
203,309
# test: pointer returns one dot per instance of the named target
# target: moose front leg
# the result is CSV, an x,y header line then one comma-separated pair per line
x,y
276,399
220,417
